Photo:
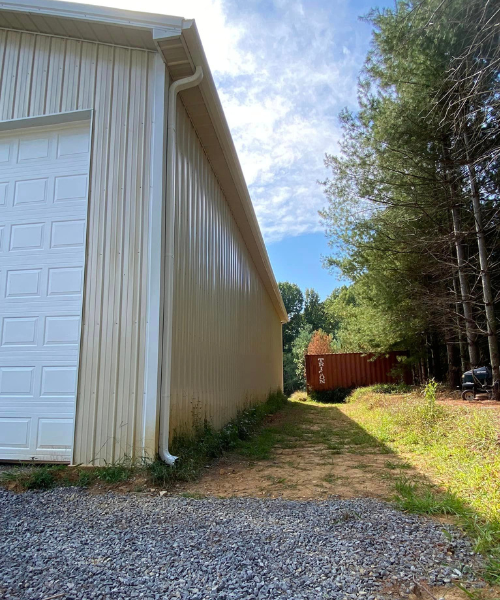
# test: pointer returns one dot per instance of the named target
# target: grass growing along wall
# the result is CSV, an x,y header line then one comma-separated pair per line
x,y
456,445
207,443
194,453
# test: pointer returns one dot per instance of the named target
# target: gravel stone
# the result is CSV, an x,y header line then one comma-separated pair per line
x,y
85,546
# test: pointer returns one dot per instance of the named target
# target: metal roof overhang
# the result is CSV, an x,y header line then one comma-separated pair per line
x,y
180,45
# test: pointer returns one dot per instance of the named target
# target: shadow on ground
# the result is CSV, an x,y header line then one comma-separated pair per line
x,y
307,451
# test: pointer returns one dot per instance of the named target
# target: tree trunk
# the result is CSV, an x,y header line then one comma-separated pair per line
x,y
436,357
465,291
485,273
461,342
470,326
453,376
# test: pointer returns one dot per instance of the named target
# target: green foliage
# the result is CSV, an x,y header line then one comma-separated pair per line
x,y
423,499
114,473
33,477
401,169
299,350
86,477
290,380
207,443
314,310
293,300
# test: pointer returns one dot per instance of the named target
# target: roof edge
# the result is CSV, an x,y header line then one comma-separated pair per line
x,y
102,14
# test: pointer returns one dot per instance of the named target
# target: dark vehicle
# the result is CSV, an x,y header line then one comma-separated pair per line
x,y
478,380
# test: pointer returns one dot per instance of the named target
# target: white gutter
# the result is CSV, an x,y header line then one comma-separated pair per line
x,y
169,264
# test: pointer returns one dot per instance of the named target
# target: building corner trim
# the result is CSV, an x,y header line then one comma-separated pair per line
x,y
154,309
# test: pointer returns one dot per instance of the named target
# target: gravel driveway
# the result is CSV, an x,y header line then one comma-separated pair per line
x,y
79,545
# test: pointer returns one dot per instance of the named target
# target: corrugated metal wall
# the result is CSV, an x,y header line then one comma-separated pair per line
x,y
42,75
226,334
353,369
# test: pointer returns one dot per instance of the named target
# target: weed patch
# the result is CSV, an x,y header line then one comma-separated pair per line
x,y
194,452
207,443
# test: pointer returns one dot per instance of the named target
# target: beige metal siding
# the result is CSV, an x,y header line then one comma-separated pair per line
x,y
226,351
42,75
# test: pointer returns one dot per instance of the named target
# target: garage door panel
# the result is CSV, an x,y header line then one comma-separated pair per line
x,y
23,283
71,144
38,437
43,210
31,191
4,189
56,433
27,236
20,331
62,331
17,381
33,148
19,197
15,433
5,151
71,188
62,231
39,332
69,233
49,283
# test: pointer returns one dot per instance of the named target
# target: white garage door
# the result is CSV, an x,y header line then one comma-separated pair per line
x,y
43,211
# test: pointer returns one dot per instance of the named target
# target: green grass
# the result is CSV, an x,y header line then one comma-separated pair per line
x,y
389,464
457,446
261,446
45,477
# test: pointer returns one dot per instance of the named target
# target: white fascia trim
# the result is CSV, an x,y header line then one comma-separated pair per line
x,y
87,12
154,309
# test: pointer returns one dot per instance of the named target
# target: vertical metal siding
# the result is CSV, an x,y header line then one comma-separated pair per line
x,y
351,369
226,350
42,75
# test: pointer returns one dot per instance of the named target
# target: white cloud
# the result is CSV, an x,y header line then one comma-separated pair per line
x,y
283,74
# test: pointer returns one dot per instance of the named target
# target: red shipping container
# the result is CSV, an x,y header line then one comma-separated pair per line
x,y
353,369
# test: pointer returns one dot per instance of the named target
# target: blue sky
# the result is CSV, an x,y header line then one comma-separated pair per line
x,y
284,69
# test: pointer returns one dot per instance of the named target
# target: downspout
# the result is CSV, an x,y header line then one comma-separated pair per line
x,y
175,88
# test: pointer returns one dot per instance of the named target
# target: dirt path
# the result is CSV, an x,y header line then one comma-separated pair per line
x,y
310,451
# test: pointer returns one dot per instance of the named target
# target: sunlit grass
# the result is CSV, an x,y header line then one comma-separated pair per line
x,y
456,447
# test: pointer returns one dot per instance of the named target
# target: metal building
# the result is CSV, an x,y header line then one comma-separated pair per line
x,y
136,294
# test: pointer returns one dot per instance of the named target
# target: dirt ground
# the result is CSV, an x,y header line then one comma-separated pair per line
x,y
481,402
319,453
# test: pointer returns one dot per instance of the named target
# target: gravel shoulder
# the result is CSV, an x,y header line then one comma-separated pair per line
x,y
86,546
